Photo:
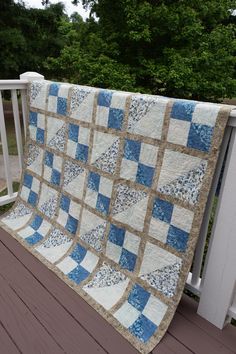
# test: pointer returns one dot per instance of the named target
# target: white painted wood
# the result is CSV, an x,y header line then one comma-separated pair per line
x,y
6,199
220,275
13,84
199,252
232,309
5,152
24,109
195,288
31,76
17,127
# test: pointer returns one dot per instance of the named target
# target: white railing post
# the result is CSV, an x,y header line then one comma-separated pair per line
x,y
220,269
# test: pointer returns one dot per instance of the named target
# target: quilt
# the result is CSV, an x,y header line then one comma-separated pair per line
x,y
112,197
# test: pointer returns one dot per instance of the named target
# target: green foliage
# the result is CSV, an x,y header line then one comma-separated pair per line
x,y
181,48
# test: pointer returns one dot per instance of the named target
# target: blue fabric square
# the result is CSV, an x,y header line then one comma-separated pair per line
x,y
65,203
127,260
162,210
40,135
28,180
53,90
93,181
48,159
33,118
36,223
73,132
132,150
55,177
116,235
36,237
71,224
115,118
177,238
81,152
200,137
78,253
143,328
138,297
61,105
78,274
32,199
183,110
145,175
103,203
104,98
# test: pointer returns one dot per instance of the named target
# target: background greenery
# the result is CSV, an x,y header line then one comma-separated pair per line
x,y
183,48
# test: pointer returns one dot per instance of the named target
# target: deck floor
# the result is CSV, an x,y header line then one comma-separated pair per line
x,y
41,314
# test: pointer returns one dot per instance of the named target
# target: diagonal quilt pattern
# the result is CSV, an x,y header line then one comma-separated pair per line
x,y
112,197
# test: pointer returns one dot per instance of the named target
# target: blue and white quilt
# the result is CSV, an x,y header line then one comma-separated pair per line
x,y
112,197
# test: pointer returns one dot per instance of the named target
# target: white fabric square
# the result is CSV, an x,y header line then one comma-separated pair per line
x,y
41,121
62,217
127,314
91,197
113,251
57,162
44,228
25,191
155,310
71,148
128,169
182,218
35,185
205,113
131,242
63,90
118,100
83,136
102,115
38,92
52,103
74,209
47,173
26,232
89,262
148,155
33,132
159,229
67,265
105,186
81,106
178,131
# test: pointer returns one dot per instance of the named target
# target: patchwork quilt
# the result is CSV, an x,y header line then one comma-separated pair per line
x,y
112,197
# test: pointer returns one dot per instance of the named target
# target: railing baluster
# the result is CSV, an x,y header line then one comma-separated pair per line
x,y
5,152
24,109
17,127
218,286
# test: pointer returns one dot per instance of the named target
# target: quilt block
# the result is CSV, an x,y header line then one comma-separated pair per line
x,y
112,197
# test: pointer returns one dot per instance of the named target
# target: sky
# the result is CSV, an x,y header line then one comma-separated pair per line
x,y
69,7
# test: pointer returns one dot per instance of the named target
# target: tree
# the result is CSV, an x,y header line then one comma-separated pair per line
x,y
28,36
180,48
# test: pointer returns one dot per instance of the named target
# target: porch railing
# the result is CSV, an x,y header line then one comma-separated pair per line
x,y
215,281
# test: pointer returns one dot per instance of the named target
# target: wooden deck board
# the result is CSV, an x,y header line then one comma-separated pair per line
x,y
7,343
40,293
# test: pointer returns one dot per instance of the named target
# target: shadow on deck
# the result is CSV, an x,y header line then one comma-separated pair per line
x,y
41,314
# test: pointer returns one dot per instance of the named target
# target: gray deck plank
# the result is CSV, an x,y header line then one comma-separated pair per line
x,y
29,335
187,334
7,344
227,336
